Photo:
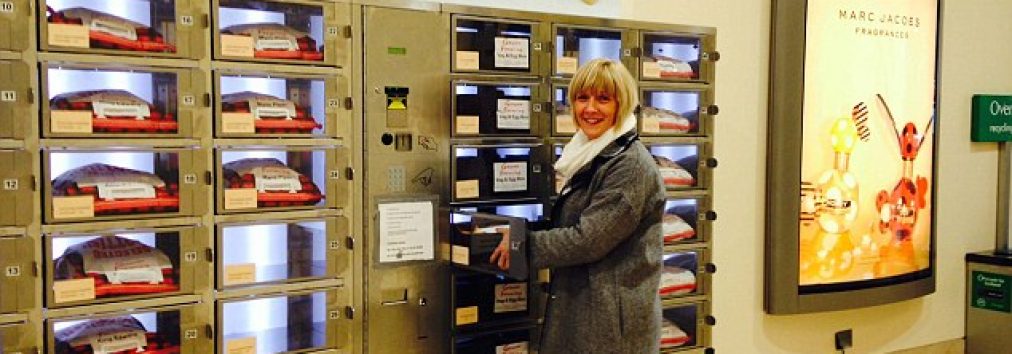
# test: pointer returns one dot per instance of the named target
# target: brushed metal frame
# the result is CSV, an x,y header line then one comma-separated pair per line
x,y
191,271
337,264
190,86
537,107
337,330
336,119
16,116
190,163
190,39
783,181
336,18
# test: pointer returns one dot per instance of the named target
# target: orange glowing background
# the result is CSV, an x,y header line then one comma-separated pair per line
x,y
867,146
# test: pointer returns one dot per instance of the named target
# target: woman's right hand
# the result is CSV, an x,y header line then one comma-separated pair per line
x,y
501,254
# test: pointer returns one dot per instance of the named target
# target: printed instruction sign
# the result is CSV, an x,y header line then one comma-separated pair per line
x,y
406,232
513,114
509,176
512,52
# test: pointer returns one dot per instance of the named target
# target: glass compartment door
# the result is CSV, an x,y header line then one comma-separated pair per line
x,y
107,26
494,46
279,324
275,178
575,46
487,109
673,112
669,56
278,252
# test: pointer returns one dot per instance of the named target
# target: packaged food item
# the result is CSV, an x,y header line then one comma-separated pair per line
x,y
668,121
270,114
276,41
116,335
672,336
115,111
677,281
277,185
118,190
111,32
120,266
673,68
674,174
675,228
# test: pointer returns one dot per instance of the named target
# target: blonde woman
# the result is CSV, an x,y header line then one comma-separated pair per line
x,y
605,246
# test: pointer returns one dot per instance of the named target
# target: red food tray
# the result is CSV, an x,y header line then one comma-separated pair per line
x,y
308,195
157,344
301,124
155,123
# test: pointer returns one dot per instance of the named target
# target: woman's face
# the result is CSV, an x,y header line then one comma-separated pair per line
x,y
595,112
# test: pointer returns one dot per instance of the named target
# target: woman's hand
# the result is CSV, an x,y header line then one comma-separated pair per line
x,y
501,255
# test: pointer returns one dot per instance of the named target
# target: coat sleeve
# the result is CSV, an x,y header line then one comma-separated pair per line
x,y
613,214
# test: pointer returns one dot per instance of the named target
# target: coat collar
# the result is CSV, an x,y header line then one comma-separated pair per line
x,y
621,144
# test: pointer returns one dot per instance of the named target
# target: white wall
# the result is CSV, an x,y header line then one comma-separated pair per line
x,y
976,57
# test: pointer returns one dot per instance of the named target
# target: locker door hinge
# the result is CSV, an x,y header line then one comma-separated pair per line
x,y
349,173
349,242
206,21
35,269
349,312
209,255
346,30
635,52
348,103
30,96
207,178
34,181
207,99
711,56
712,110
209,331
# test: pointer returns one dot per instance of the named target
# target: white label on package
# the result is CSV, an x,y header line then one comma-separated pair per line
x,y
510,297
125,190
276,179
272,109
112,109
509,176
121,266
135,275
512,52
114,28
512,348
118,342
406,232
513,114
274,44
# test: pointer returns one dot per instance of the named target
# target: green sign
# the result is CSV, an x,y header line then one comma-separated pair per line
x,y
991,291
992,118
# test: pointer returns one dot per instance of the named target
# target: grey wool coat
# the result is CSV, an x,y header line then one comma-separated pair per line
x,y
605,252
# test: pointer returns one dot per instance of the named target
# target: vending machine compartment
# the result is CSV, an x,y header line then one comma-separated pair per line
x,y
562,112
281,31
682,165
474,236
302,321
18,335
102,99
494,45
489,109
685,326
17,260
514,341
673,112
278,177
107,266
482,301
668,56
156,330
274,252
577,45
686,220
17,25
260,101
17,97
497,172
17,192
120,182
683,273
125,27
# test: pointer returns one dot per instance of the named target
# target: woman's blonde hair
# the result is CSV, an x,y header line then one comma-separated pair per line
x,y
608,76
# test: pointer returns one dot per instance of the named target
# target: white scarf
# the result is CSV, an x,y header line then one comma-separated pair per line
x,y
581,150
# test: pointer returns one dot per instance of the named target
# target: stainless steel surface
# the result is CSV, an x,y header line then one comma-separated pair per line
x,y
415,59
987,331
1002,232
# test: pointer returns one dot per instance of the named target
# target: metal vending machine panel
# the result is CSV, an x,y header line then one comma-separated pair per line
x,y
407,127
